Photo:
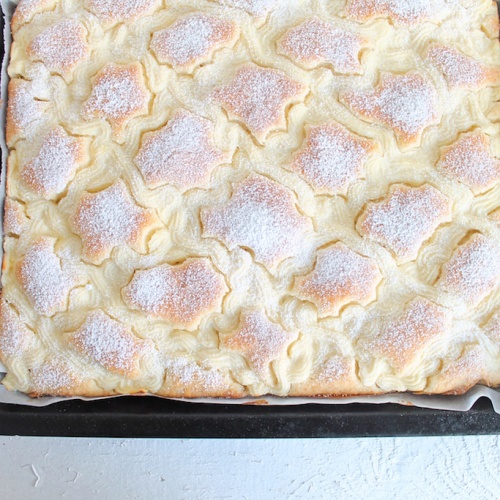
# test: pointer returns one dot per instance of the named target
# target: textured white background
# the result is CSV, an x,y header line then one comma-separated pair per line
x,y
411,468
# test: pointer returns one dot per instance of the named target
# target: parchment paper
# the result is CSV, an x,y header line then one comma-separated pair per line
x,y
457,403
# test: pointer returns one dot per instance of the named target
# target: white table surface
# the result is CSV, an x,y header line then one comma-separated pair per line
x,y
406,468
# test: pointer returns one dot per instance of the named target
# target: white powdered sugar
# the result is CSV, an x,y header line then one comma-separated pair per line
x,y
191,40
52,378
473,272
256,8
118,94
14,217
407,218
49,172
181,294
259,339
334,369
404,11
458,69
406,103
109,218
469,160
15,337
340,276
24,111
188,373
181,153
331,158
403,338
315,42
109,343
260,216
492,328
120,10
43,280
60,47
258,97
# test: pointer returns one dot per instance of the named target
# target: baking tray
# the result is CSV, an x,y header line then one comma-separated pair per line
x,y
146,416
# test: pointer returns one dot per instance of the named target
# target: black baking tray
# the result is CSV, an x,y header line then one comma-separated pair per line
x,y
144,416
148,417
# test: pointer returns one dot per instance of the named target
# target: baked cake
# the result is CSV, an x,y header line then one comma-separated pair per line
x,y
222,198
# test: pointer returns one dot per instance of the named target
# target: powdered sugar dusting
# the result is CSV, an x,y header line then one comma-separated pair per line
x,y
404,11
109,343
474,270
340,277
14,218
261,216
188,373
492,328
334,369
332,158
61,47
15,337
495,217
118,94
258,97
182,294
259,340
469,160
49,172
256,8
52,378
181,153
407,218
43,280
108,219
24,112
26,9
192,40
315,42
406,103
458,69
402,339
121,10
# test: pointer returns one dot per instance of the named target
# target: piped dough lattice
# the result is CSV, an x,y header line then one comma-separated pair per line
x,y
221,198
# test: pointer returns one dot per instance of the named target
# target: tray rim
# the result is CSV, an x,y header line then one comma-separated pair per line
x,y
149,417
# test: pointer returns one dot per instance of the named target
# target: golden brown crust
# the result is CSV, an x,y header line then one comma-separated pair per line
x,y
403,339
118,94
61,47
184,378
259,340
110,218
458,376
14,217
124,11
27,9
340,277
460,70
316,42
473,271
208,34
258,97
331,157
22,110
109,343
43,279
405,219
182,294
55,164
407,104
